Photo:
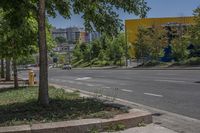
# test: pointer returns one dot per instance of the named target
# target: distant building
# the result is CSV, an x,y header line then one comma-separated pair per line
x,y
72,34
94,35
65,47
75,34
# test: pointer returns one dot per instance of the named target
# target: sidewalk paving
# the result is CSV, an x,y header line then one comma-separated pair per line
x,y
151,128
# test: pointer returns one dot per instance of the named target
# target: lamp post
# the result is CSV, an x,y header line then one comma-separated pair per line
x,y
126,54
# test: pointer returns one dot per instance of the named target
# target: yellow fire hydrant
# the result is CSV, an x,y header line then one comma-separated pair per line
x,y
31,78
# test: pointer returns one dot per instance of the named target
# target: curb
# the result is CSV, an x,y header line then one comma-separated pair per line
x,y
134,68
131,119
173,121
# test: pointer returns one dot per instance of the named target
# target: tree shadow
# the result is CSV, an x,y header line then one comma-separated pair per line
x,y
59,109
11,89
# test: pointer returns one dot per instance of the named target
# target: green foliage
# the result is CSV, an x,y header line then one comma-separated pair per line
x,y
152,63
193,61
26,60
118,47
142,47
158,41
190,36
194,33
115,127
60,40
179,49
99,15
51,43
20,42
150,42
61,59
101,52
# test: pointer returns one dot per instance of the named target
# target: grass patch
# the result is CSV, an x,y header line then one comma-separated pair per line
x,y
20,107
110,128
115,127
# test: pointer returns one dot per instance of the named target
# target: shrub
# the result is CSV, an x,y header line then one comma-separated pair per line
x,y
193,61
152,63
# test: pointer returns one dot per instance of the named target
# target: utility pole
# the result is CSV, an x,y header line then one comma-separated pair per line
x,y
126,54
90,49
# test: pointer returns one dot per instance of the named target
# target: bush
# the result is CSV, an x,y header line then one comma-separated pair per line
x,y
77,63
101,63
193,61
152,63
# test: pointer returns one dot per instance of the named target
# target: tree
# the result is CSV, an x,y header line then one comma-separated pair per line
x,y
8,75
119,48
61,59
99,15
142,47
96,46
158,41
144,9
43,97
2,69
195,33
17,40
60,40
150,42
77,53
25,60
179,49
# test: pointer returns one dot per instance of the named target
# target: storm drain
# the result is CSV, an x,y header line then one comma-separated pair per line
x,y
157,114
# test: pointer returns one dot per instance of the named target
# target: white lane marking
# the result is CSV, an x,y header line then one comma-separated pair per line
x,y
83,78
172,81
90,85
107,87
164,74
126,90
151,94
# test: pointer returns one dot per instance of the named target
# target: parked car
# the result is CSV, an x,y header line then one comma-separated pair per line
x,y
67,67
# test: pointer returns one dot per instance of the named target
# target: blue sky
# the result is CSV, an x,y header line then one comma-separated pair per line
x,y
159,8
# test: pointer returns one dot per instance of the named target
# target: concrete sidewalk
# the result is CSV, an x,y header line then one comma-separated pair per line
x,y
152,128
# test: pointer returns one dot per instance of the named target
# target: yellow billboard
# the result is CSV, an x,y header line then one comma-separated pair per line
x,y
131,26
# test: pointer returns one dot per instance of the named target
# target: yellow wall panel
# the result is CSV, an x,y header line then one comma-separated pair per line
x,y
133,25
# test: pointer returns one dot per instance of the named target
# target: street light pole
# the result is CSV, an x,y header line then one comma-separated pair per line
x,y
90,47
126,54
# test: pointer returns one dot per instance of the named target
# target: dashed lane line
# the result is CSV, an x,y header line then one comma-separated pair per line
x,y
125,90
151,94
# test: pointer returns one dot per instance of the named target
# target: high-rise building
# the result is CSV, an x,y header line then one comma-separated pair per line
x,y
75,34
72,34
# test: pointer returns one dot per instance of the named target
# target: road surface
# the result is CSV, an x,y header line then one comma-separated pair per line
x,y
176,91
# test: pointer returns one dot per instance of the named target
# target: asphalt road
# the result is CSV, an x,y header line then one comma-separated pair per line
x,y
176,91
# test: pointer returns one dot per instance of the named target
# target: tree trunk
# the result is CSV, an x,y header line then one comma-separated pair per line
x,y
16,85
43,97
8,77
2,69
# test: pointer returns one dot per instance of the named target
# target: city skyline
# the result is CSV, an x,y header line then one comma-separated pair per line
x,y
170,8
